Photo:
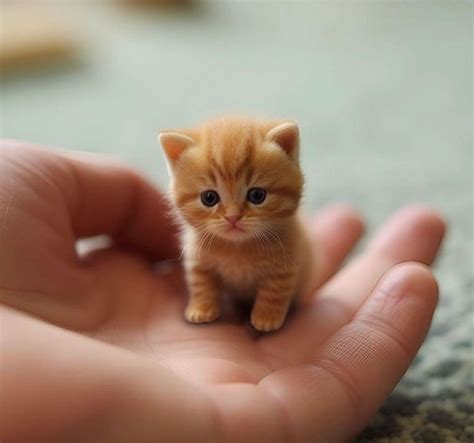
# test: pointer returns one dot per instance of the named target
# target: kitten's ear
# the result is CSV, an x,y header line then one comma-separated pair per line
x,y
287,136
174,144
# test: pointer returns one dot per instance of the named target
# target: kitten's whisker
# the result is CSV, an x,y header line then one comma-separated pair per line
x,y
209,240
275,236
268,242
268,246
259,242
213,236
286,252
263,242
180,255
202,233
201,242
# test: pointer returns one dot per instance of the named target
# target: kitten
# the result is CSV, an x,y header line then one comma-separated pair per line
x,y
236,184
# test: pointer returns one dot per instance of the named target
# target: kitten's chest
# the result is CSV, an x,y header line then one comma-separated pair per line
x,y
240,270
240,273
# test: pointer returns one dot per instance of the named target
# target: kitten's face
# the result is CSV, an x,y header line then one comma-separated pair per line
x,y
234,182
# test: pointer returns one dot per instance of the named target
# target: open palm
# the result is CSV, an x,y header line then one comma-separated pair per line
x,y
109,356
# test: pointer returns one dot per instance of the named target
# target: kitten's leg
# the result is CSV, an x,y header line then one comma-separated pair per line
x,y
272,302
203,305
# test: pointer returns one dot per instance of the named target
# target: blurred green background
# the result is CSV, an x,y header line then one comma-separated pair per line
x,y
382,91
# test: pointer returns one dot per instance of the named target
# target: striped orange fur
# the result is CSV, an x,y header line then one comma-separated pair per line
x,y
239,245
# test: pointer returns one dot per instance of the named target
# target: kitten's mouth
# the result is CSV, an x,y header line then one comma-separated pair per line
x,y
234,232
234,228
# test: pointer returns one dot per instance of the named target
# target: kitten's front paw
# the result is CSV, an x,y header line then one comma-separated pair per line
x,y
199,313
266,320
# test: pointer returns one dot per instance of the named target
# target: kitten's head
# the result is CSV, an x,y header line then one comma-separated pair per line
x,y
235,178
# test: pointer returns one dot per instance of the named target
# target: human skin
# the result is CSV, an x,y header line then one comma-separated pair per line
x,y
95,349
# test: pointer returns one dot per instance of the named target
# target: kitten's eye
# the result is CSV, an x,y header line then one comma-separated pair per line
x,y
210,198
256,195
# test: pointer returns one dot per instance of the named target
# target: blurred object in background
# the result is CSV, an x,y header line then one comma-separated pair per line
x,y
157,3
33,35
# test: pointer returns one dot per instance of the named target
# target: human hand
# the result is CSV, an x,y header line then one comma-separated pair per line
x,y
109,356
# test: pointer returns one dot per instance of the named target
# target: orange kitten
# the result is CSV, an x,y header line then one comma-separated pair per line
x,y
236,184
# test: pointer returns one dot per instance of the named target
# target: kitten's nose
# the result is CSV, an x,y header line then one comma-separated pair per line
x,y
233,218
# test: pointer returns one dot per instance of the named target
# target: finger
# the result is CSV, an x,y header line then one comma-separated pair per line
x,y
333,233
134,213
100,196
85,390
333,395
414,233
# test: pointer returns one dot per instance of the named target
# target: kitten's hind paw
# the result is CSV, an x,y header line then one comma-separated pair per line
x,y
201,314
